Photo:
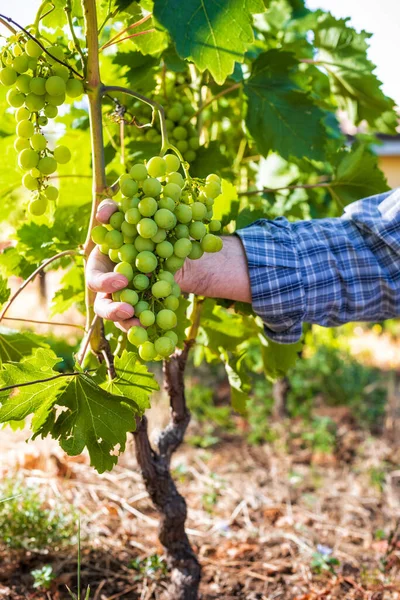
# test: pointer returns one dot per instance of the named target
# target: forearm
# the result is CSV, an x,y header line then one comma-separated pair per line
x,y
221,275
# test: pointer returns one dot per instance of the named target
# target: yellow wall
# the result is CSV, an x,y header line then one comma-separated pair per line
x,y
390,165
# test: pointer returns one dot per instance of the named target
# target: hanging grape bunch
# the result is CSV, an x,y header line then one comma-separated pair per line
x,y
163,219
38,86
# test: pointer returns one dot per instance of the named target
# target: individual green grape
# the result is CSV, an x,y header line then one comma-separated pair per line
x,y
127,203
129,296
196,252
51,193
74,88
175,112
182,146
22,83
50,111
27,159
37,207
125,269
183,213
165,218
128,187
57,52
55,85
116,296
159,237
146,262
128,239
141,282
47,165
180,133
29,182
62,154
197,230
25,129
148,206
212,189
147,351
133,216
177,179
8,76
213,177
181,231
166,276
35,173
174,263
147,228
140,307
209,202
114,239
42,120
190,156
167,203
38,141
172,190
144,244
194,143
62,71
166,319
182,247
21,144
161,289
104,249
172,336
15,98
127,253
171,302
55,100
113,253
116,220
151,187
129,229
211,243
172,163
20,63
34,102
214,225
33,49
22,114
156,167
164,346
199,211
165,249
98,234
137,335
138,172
147,318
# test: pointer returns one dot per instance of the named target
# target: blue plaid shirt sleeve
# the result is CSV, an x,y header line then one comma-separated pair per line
x,y
326,271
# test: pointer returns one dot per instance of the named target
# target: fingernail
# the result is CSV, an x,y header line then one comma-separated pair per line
x,y
123,314
117,284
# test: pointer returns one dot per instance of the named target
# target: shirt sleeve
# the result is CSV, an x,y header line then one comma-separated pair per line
x,y
326,271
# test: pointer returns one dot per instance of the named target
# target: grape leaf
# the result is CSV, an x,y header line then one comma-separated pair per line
x,y
71,291
209,160
139,70
281,116
93,419
36,399
15,345
183,321
133,380
151,43
226,205
4,290
278,358
343,53
239,382
358,176
212,34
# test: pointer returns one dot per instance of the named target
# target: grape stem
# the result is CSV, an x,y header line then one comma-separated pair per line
x,y
9,27
113,39
33,275
128,37
39,15
86,341
32,37
68,12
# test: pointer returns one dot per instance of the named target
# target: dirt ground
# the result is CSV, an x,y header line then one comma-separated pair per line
x,y
257,517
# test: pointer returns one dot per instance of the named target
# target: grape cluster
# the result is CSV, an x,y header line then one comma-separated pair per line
x,y
163,218
38,86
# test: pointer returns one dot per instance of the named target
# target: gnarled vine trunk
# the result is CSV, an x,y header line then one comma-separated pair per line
x,y
155,465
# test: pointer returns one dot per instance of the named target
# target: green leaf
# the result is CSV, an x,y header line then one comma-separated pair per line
x,y
358,176
281,116
151,43
71,291
239,381
212,34
226,205
138,70
343,53
4,290
93,419
278,358
15,345
133,380
247,216
36,399
209,160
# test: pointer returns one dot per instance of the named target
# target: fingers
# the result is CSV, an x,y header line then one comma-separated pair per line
x,y
105,210
100,276
126,325
113,311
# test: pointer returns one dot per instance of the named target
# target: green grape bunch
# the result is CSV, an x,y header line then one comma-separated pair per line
x,y
163,219
38,87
